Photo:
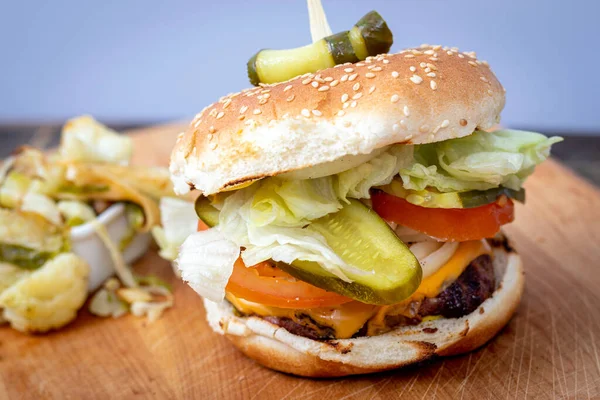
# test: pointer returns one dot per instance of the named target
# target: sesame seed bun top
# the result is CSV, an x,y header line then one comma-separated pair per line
x,y
421,95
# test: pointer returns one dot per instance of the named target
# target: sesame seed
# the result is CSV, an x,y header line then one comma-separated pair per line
x,y
376,69
288,87
395,74
357,96
412,69
395,128
220,115
473,63
197,123
424,128
334,83
256,111
409,56
319,79
344,78
346,105
490,92
403,123
485,63
213,112
370,67
429,52
483,78
324,88
395,98
315,84
241,117
345,97
463,122
406,111
422,65
317,113
437,47
427,70
213,145
352,77
433,67
431,74
210,136
360,64
356,86
416,79
348,70
291,98
262,101
433,58
305,112
433,85
306,81
372,89
353,104
341,113
243,109
450,53
408,137
212,129
445,123
226,104
386,61
370,75
328,79
416,52
461,56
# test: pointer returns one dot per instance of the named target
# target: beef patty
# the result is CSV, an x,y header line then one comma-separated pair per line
x,y
473,287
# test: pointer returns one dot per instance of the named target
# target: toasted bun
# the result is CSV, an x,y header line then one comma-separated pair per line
x,y
276,348
346,110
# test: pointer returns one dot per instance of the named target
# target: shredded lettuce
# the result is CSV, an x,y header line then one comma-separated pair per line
x,y
481,161
270,220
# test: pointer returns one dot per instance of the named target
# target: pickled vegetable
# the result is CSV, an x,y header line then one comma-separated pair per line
x,y
467,199
24,257
386,271
369,37
206,212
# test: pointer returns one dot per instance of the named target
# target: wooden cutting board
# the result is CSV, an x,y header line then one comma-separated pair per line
x,y
550,349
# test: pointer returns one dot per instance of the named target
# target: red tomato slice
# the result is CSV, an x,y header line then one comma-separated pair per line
x,y
448,224
270,286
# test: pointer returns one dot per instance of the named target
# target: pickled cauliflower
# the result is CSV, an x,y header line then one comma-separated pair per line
x,y
49,297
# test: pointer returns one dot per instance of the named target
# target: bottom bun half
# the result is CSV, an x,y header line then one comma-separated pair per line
x,y
276,348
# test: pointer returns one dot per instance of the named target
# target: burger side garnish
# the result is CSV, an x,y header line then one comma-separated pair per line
x,y
356,228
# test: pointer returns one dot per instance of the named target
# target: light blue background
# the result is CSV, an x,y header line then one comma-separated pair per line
x,y
150,61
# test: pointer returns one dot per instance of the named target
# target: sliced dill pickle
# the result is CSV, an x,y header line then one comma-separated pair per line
x,y
476,198
206,212
369,36
386,272
468,199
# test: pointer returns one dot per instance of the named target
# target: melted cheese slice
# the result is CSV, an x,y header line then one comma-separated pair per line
x,y
348,318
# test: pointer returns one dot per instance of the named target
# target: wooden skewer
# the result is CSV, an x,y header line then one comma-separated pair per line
x,y
319,27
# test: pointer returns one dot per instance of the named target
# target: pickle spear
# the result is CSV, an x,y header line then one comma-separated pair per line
x,y
369,36
389,273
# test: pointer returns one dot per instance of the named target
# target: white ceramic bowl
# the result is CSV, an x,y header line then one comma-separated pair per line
x,y
87,244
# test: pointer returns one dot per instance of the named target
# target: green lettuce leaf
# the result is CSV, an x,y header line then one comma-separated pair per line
x,y
481,161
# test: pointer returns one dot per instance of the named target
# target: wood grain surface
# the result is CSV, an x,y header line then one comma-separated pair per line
x,y
550,349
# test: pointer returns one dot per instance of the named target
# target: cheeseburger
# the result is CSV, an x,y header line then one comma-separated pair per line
x,y
350,219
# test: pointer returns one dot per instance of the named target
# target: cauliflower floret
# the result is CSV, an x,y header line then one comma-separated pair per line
x,y
10,274
48,298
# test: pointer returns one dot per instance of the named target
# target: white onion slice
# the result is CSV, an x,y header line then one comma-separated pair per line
x,y
423,249
408,235
438,258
